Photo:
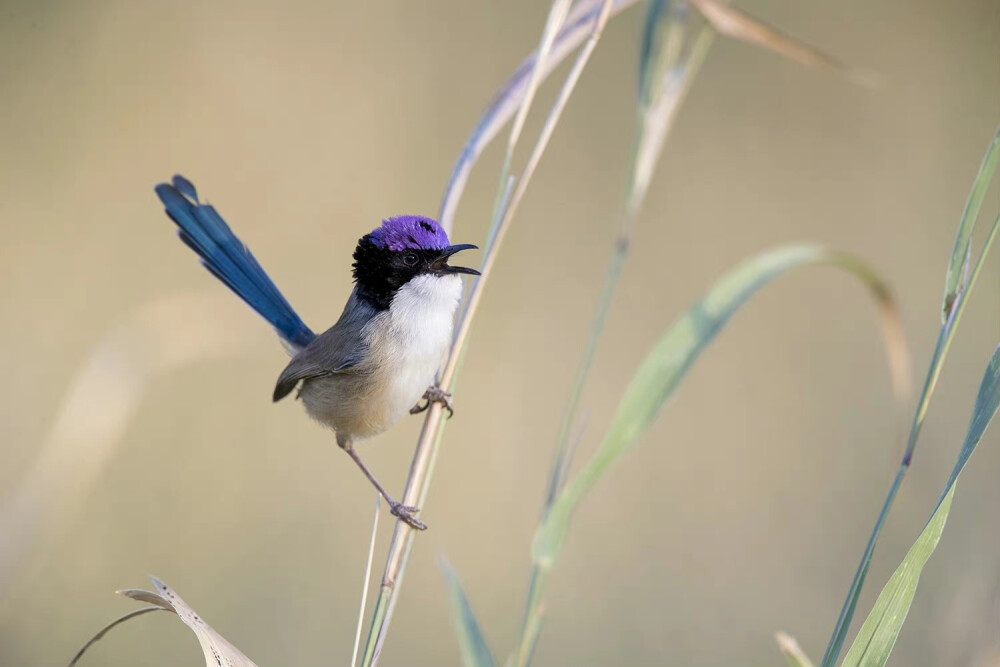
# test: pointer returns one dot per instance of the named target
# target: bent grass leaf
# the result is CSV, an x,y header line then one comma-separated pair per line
x,y
471,642
218,651
665,366
958,267
107,628
880,630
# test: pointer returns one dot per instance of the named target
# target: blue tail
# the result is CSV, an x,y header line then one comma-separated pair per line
x,y
229,260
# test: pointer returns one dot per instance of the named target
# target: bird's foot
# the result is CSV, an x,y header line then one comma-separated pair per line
x,y
434,394
405,513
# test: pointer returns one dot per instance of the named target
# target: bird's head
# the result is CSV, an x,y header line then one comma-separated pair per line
x,y
401,249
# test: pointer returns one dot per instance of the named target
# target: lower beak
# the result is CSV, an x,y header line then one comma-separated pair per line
x,y
441,264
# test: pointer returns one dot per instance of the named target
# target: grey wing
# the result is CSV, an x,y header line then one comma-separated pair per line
x,y
340,349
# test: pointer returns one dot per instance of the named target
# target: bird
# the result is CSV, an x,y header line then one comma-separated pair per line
x,y
379,361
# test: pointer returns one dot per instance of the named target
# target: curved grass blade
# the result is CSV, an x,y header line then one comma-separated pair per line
x,y
790,648
880,630
107,628
472,643
671,358
958,267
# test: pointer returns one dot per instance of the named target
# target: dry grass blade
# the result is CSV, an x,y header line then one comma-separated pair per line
x,y
508,100
218,651
506,214
368,576
656,122
790,648
557,17
733,23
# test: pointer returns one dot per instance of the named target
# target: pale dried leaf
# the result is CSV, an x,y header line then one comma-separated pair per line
x,y
142,595
735,24
790,648
218,651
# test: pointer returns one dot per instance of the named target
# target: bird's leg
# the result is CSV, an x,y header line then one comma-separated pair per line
x,y
404,512
434,394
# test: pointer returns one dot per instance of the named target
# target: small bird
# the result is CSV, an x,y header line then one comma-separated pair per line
x,y
372,367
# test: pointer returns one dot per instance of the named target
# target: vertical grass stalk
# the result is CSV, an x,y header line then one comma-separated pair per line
x,y
430,435
657,115
945,337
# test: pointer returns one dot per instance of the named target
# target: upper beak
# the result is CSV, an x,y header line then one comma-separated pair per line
x,y
441,263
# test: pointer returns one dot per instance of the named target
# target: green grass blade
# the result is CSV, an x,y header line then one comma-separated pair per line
x,y
880,630
945,336
653,63
665,366
958,267
471,642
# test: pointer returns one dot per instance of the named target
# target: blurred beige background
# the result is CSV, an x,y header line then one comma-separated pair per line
x,y
743,511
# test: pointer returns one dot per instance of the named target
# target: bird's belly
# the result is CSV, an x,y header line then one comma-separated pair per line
x,y
407,345
362,406
405,385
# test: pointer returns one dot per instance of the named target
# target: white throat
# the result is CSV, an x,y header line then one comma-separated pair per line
x,y
410,341
423,310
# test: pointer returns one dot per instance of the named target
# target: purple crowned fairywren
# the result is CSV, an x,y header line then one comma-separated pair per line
x,y
372,367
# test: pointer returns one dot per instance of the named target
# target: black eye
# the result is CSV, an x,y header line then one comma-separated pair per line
x,y
410,259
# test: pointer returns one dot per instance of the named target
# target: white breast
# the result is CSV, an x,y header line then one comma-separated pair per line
x,y
414,335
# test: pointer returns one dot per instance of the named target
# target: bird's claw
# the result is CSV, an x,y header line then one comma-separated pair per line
x,y
434,394
405,513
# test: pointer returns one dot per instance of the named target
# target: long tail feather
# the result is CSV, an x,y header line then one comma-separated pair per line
x,y
203,230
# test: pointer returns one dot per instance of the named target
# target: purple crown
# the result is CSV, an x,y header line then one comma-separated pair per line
x,y
410,232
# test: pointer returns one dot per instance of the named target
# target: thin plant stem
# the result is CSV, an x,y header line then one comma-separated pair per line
x,y
368,578
103,631
508,100
430,435
945,337
676,90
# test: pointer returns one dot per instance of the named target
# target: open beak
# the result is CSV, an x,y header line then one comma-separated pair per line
x,y
440,265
